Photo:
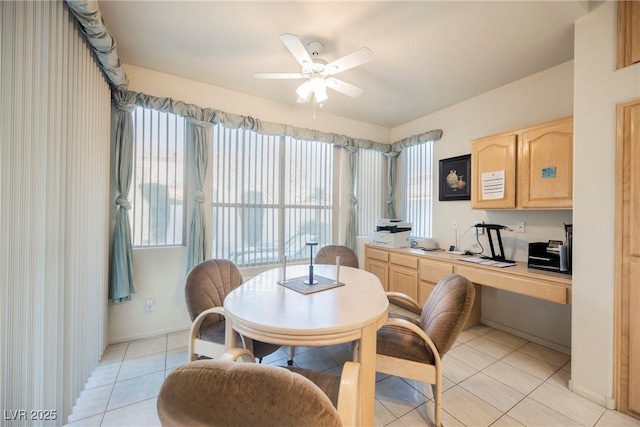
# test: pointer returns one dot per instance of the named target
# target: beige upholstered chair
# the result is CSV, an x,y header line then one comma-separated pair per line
x,y
413,348
207,285
328,254
225,393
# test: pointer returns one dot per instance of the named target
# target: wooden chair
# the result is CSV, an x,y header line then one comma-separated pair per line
x,y
412,348
207,285
227,392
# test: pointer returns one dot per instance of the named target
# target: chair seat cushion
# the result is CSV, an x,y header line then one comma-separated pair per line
x,y
215,333
402,343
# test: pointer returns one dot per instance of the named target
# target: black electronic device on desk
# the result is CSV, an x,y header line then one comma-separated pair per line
x,y
550,256
496,228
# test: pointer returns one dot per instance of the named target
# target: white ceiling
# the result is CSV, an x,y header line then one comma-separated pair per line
x,y
427,54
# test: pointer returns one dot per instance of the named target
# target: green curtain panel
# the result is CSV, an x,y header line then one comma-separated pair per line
x,y
122,285
391,181
197,236
352,223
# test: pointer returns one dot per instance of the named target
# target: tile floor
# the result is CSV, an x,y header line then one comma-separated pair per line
x,y
490,379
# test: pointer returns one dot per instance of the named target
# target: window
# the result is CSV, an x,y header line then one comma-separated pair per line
x,y
157,192
418,187
372,178
271,195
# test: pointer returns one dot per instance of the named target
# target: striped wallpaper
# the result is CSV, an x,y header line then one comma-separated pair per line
x,y
54,216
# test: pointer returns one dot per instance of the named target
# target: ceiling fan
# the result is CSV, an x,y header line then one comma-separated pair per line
x,y
317,72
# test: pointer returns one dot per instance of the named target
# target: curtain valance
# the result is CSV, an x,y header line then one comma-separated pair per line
x,y
92,25
236,121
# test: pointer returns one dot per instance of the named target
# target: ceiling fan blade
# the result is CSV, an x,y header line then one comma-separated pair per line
x,y
343,87
304,92
351,60
278,76
295,46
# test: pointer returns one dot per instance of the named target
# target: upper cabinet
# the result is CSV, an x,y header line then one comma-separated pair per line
x,y
494,160
530,168
545,166
628,33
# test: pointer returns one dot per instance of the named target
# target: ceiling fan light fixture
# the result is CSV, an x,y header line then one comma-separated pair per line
x,y
316,71
304,90
320,93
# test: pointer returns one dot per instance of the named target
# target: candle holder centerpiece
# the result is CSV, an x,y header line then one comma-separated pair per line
x,y
312,283
310,280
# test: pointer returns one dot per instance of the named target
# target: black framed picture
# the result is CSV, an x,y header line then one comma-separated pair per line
x,y
455,178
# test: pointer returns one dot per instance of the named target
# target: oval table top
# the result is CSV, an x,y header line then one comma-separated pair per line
x,y
265,310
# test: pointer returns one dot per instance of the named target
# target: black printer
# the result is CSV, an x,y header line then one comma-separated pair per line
x,y
550,256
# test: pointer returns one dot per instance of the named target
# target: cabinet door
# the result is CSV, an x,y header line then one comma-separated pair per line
x,y
628,33
627,306
404,280
496,156
545,166
380,270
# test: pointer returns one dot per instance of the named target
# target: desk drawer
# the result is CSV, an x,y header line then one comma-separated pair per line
x,y
409,261
377,254
508,282
433,271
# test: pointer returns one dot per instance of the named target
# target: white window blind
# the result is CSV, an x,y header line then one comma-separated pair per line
x,y
418,187
271,195
372,176
157,189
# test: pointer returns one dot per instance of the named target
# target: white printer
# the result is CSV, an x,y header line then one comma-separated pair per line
x,y
393,233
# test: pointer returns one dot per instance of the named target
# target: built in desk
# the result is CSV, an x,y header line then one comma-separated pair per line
x,y
416,272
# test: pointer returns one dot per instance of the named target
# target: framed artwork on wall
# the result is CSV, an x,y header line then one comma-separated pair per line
x,y
455,178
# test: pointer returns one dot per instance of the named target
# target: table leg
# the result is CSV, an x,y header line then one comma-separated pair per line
x,y
229,335
367,353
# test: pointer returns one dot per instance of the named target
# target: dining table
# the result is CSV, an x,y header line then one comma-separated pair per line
x,y
267,308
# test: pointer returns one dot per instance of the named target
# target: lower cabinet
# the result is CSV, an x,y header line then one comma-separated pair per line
x,y
430,273
403,274
403,279
377,262
379,269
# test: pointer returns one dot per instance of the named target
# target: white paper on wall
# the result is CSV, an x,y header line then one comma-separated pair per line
x,y
493,185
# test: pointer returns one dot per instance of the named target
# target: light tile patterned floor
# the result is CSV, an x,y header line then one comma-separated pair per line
x,y
490,379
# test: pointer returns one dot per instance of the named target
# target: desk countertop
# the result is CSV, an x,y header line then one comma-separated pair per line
x,y
548,285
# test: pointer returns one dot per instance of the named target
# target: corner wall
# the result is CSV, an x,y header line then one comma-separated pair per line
x,y
598,88
538,98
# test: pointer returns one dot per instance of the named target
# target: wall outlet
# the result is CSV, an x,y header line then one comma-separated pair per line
x,y
149,305
520,227
479,230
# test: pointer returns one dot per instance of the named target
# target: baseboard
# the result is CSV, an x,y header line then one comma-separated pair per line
x,y
607,402
535,339
118,340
